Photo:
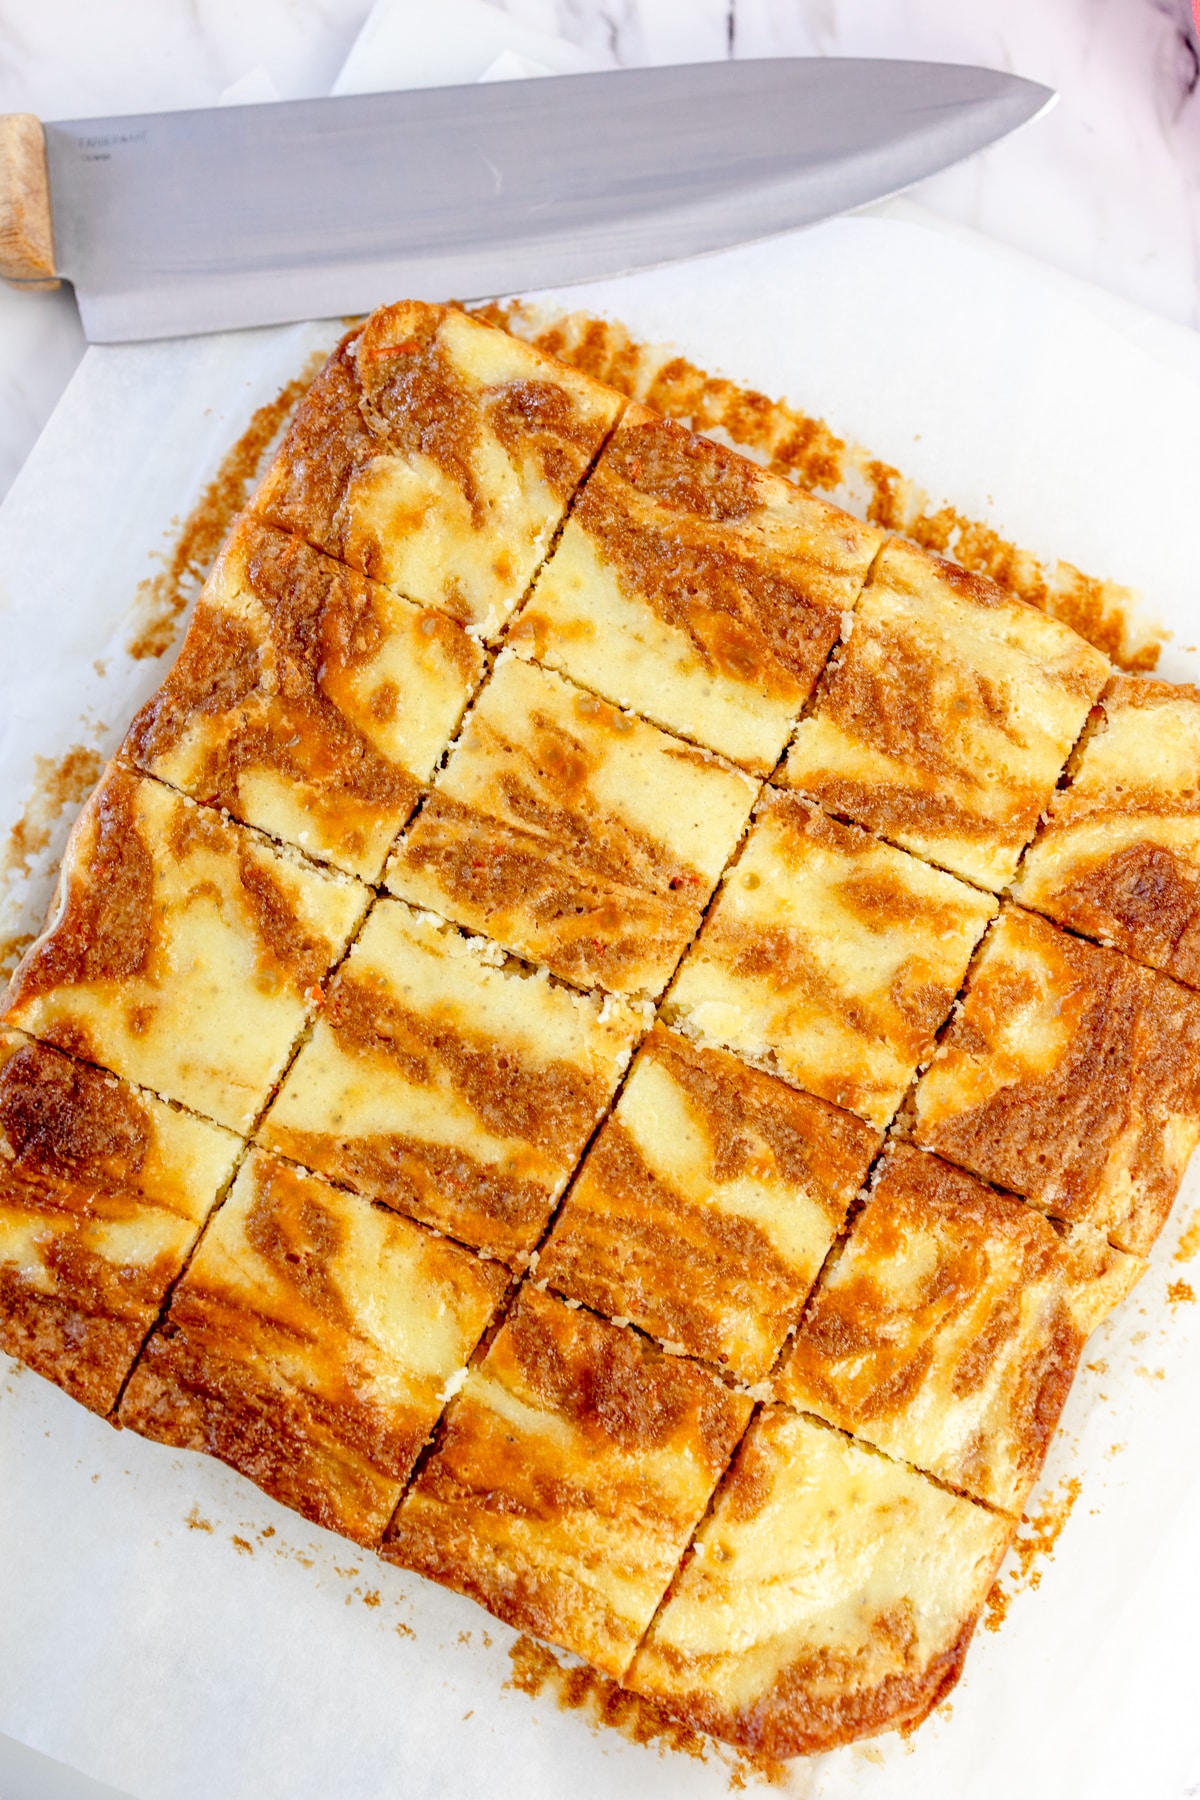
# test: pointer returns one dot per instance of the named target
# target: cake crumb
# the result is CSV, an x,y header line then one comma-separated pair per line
x,y
537,1670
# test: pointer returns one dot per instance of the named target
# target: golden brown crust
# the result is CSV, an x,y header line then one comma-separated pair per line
x,y
830,1594
542,1111
419,405
1119,857
948,1332
102,1192
567,1478
830,955
1072,1076
283,683
524,839
274,1358
747,577
510,883
645,1233
817,1703
948,716
183,951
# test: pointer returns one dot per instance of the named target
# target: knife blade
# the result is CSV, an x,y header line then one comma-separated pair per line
x,y
171,224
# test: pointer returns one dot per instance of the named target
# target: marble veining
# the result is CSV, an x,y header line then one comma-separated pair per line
x,y
1107,187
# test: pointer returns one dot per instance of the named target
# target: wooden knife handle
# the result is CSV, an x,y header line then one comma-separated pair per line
x,y
26,232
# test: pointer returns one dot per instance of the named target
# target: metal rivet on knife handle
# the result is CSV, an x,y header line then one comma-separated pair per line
x,y
26,233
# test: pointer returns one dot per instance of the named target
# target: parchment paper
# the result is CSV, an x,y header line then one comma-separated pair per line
x,y
169,1630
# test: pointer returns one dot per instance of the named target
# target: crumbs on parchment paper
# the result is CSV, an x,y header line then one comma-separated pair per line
x,y
1189,1242
803,448
1032,1547
59,783
161,599
536,1671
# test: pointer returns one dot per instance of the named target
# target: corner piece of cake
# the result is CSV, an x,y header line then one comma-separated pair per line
x,y
947,718
307,700
948,1327
1119,857
567,1478
438,455
830,957
696,588
1069,1075
830,1594
451,1086
311,1345
182,951
707,1204
572,833
103,1191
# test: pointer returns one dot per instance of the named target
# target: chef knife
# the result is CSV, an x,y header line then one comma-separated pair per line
x,y
173,223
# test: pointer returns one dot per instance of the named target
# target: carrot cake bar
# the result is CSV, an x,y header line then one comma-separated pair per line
x,y
307,700
438,455
830,1593
1069,1075
707,1204
1119,858
695,587
948,1329
182,951
311,1345
830,956
451,1086
573,833
948,716
567,1478
103,1190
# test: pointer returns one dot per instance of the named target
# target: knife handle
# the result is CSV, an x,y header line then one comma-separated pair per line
x,y
26,232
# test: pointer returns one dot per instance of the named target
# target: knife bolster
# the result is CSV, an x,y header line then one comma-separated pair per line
x,y
26,231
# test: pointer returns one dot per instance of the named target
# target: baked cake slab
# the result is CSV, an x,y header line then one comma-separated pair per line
x,y
707,1204
832,957
103,1190
1119,857
307,700
948,1329
311,1343
1069,1075
567,1478
182,951
831,1594
573,833
947,717
448,1085
698,589
438,456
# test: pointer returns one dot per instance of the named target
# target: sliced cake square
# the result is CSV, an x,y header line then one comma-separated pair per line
x,y
567,1478
1069,1075
181,950
948,1329
831,1594
307,700
947,718
460,1091
698,589
572,833
830,957
311,1345
438,455
706,1206
1119,857
103,1190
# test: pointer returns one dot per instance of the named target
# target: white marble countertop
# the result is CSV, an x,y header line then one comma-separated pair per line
x,y
1106,187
